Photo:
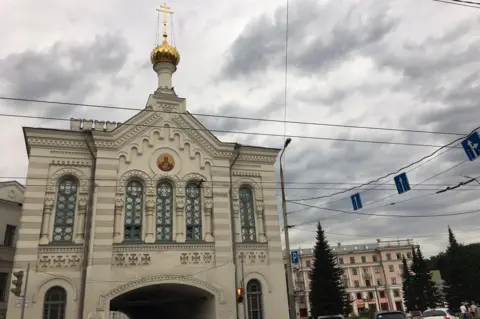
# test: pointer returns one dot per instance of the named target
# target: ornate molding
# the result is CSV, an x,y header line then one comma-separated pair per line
x,y
71,163
82,179
246,173
71,153
176,182
202,258
253,257
196,177
59,261
258,158
119,248
53,142
135,173
103,303
131,259
58,250
252,246
257,189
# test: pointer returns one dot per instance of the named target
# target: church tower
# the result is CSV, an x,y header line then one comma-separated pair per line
x,y
154,218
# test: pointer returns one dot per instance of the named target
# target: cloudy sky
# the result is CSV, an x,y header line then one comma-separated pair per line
x,y
408,64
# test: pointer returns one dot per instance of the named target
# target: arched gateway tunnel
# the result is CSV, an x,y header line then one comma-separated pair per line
x,y
166,301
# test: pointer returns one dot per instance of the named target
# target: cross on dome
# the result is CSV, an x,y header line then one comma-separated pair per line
x,y
165,52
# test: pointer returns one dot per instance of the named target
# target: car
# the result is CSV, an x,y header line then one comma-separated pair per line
x,y
439,313
390,314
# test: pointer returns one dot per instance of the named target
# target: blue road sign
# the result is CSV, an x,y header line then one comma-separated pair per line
x,y
356,201
294,257
471,145
401,181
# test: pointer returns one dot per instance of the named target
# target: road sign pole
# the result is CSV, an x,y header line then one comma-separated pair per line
x,y
25,293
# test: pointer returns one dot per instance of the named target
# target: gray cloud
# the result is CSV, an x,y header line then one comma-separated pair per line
x,y
68,70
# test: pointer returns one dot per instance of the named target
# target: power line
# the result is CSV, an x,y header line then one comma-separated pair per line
x,y
233,117
370,236
395,172
461,3
237,132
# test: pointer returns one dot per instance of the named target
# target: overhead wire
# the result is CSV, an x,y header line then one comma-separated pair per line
x,y
475,5
232,117
448,145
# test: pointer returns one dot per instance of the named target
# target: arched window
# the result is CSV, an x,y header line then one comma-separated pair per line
x,y
54,303
164,211
65,210
193,212
133,211
254,299
247,214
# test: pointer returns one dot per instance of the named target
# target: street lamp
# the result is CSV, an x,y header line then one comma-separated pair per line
x,y
291,296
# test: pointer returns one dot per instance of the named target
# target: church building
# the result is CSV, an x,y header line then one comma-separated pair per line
x,y
154,217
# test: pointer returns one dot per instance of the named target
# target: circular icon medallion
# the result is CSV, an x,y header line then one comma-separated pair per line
x,y
165,162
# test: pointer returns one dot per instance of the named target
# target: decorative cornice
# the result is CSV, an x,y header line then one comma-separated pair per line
x,y
162,247
252,246
52,249
67,162
246,173
56,142
69,153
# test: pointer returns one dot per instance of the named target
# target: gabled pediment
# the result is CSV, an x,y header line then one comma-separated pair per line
x,y
12,191
161,114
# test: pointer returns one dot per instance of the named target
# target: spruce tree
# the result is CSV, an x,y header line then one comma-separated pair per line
x,y
415,287
429,295
328,295
452,272
407,286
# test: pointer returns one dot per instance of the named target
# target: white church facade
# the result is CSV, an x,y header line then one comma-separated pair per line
x,y
154,217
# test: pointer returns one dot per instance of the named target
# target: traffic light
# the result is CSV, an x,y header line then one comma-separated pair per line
x,y
17,290
239,295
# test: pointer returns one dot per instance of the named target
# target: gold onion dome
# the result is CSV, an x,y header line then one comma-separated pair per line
x,y
165,53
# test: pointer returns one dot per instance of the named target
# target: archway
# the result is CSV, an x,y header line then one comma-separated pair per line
x,y
166,300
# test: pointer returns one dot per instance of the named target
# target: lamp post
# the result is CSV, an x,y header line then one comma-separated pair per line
x,y
291,296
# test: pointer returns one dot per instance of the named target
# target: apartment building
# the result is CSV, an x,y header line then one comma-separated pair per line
x,y
11,199
372,275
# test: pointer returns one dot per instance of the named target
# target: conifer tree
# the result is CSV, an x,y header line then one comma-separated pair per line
x,y
328,295
429,296
452,272
407,287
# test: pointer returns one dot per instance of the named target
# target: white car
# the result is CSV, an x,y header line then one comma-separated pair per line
x,y
439,313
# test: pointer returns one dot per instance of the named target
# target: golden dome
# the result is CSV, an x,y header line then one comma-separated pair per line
x,y
165,53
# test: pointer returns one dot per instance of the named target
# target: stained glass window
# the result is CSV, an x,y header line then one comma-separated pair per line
x,y
193,212
133,211
164,211
247,214
254,299
65,210
54,303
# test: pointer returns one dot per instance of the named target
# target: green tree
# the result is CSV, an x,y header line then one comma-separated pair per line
x,y
428,296
328,295
453,272
407,287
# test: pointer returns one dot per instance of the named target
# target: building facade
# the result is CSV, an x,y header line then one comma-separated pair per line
x,y
372,275
153,217
11,200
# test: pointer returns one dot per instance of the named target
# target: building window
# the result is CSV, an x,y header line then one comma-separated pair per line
x,y
370,295
9,235
390,268
3,285
394,281
389,256
374,258
379,282
55,303
164,209
354,271
399,256
359,295
409,255
65,210
247,214
400,267
133,211
356,284
364,259
396,293
368,283
382,294
193,212
377,270
254,300
308,263
340,260
352,260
